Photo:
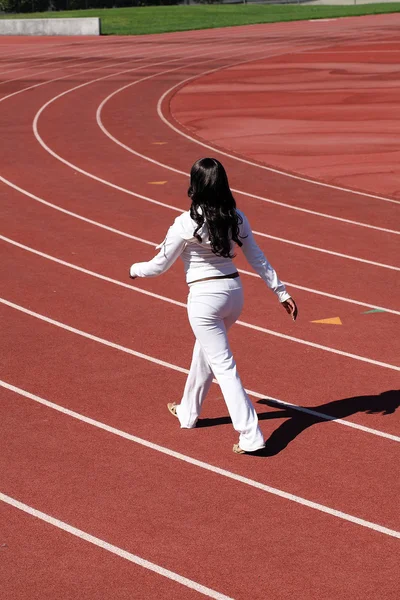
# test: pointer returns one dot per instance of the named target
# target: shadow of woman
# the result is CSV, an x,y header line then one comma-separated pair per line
x,y
298,419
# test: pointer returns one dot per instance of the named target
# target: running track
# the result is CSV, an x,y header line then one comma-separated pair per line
x,y
102,495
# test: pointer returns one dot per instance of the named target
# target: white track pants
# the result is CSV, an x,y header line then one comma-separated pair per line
x,y
213,306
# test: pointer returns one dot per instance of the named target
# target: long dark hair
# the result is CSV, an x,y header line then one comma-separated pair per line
x,y
213,203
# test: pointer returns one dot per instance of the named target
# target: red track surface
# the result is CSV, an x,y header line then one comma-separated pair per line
x,y
326,114
211,526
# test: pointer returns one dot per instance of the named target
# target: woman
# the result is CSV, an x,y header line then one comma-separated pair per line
x,y
205,238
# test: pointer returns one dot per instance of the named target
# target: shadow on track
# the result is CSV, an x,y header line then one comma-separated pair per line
x,y
297,421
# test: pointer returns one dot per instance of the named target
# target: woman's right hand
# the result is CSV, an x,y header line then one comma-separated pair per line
x,y
291,308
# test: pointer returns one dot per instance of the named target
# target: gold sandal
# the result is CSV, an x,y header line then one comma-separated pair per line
x,y
238,450
172,409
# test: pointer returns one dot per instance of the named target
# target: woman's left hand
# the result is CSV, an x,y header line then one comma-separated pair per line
x,y
291,308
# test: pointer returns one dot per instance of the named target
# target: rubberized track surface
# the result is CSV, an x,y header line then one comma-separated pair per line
x,y
102,494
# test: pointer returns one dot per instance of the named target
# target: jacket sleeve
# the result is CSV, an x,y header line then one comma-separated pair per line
x,y
256,258
170,249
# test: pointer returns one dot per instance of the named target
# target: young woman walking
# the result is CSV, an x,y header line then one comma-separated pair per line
x,y
205,238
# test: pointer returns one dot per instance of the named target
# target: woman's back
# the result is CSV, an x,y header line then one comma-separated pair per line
x,y
198,257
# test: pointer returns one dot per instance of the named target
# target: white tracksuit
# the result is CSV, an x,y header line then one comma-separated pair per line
x,y
213,307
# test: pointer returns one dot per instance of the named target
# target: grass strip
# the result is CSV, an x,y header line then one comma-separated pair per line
x,y
163,19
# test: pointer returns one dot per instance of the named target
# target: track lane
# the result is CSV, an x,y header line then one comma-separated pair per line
x,y
41,561
30,62
384,240
80,217
140,134
26,49
67,58
39,176
278,186
246,195
112,507
76,293
97,251
335,484
330,91
289,261
126,53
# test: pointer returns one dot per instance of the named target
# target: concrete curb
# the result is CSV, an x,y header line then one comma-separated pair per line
x,y
80,26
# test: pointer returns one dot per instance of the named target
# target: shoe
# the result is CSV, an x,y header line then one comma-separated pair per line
x,y
237,449
172,409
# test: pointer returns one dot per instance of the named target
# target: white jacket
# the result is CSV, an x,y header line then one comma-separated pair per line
x,y
199,260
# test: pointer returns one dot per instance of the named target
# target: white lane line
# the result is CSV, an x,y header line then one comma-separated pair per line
x,y
91,273
124,54
77,61
124,190
171,207
150,200
203,465
76,168
133,558
144,241
147,242
247,194
179,369
177,303
80,55
28,57
331,252
146,198
72,214
29,67
26,49
264,167
283,336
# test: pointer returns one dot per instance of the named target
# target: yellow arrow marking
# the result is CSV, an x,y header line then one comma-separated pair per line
x,y
157,182
331,321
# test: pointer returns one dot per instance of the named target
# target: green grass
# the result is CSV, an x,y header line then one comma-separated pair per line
x,y
161,19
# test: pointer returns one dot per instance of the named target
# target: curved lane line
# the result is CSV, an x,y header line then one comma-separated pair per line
x,y
26,56
248,194
75,60
254,164
80,53
105,66
24,53
124,54
30,69
105,182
